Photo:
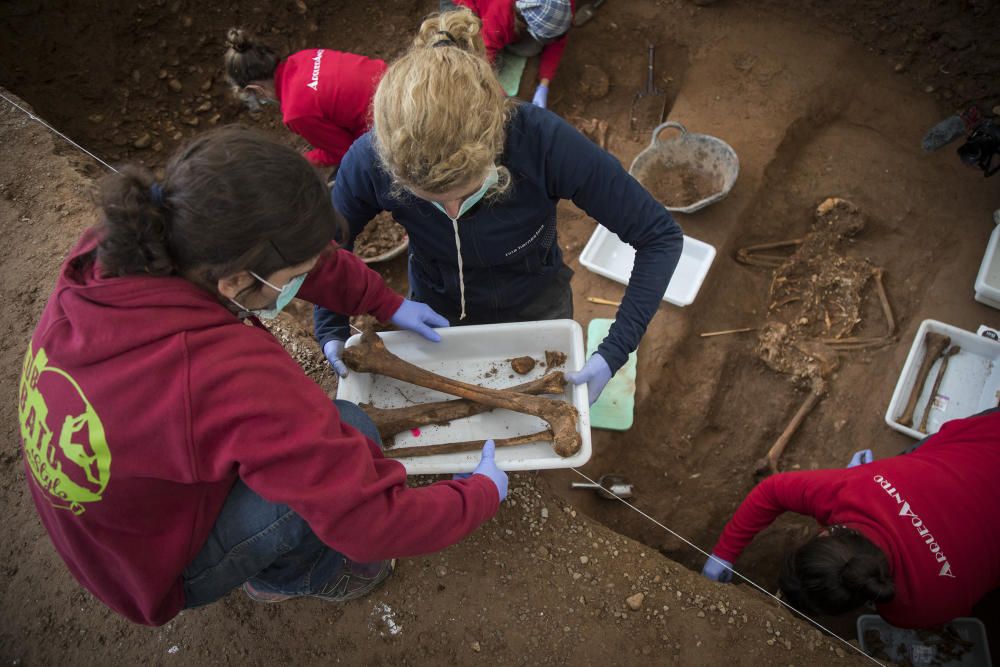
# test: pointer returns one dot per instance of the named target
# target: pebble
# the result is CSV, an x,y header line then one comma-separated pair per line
x,y
136,75
840,652
634,602
929,89
476,647
203,107
545,513
584,560
96,118
206,86
143,141
996,110
441,570
175,85
701,614
192,121
900,67
543,552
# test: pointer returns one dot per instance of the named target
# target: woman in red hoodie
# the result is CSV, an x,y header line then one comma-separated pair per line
x,y
324,94
174,450
917,535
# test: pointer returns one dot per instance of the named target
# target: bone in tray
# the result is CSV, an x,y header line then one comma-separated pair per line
x,y
478,355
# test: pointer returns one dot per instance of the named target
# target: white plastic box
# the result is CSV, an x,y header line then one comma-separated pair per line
x,y
607,255
478,355
988,280
970,384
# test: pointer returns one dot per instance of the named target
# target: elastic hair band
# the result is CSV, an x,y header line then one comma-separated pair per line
x,y
156,194
450,41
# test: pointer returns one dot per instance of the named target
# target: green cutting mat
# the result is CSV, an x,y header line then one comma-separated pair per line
x,y
615,409
510,73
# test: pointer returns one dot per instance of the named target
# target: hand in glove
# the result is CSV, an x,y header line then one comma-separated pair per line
x,y
596,373
333,351
861,457
488,468
419,317
541,98
717,569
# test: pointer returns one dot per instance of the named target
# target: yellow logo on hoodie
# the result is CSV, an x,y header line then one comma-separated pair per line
x,y
63,438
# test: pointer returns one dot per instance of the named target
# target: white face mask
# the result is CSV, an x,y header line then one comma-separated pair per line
x,y
492,177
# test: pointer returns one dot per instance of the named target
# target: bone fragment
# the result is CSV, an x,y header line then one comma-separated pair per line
x,y
934,346
952,351
391,421
467,446
769,464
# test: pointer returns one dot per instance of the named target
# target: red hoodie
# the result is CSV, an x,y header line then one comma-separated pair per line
x,y
142,400
935,514
325,97
498,31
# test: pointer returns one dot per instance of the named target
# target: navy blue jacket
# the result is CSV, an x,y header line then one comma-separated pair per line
x,y
510,251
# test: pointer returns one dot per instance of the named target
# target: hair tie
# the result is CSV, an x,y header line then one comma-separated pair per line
x,y
449,41
156,194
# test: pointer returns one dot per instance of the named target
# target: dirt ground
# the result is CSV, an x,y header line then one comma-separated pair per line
x,y
818,99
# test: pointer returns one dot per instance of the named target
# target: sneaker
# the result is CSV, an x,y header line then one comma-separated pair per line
x,y
264,596
356,580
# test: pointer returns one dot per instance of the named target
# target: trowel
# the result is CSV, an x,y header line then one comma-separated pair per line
x,y
608,487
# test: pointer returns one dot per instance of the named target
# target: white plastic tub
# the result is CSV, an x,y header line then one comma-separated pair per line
x,y
970,385
478,355
607,255
988,280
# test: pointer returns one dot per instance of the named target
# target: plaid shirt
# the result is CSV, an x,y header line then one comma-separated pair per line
x,y
546,19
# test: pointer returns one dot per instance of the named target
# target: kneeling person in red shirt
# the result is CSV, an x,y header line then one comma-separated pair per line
x,y
173,449
918,535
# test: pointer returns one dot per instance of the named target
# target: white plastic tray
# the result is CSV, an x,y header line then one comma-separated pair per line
x,y
607,255
969,386
478,355
988,280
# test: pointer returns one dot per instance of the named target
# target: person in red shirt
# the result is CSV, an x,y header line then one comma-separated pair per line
x,y
918,535
324,94
173,449
526,28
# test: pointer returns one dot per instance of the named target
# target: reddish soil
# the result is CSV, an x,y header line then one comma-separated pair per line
x,y
679,188
818,99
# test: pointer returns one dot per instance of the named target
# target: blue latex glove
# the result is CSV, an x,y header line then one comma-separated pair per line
x,y
861,457
488,468
419,317
717,569
541,98
596,373
333,351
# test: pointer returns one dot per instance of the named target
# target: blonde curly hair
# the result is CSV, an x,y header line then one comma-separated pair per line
x,y
439,113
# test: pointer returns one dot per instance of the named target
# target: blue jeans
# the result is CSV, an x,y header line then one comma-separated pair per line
x,y
266,544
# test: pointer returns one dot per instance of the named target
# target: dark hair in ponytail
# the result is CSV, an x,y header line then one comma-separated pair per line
x,y
836,573
248,60
232,199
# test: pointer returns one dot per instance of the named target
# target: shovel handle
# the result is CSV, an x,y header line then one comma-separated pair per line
x,y
649,77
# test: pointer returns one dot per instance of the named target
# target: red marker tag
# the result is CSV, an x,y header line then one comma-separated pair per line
x,y
415,432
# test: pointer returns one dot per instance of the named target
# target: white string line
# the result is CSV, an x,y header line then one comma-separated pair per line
x,y
54,130
752,583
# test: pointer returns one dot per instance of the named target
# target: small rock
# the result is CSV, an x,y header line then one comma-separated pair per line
x,y
175,85
162,74
929,89
203,107
996,110
634,602
545,512
136,75
215,119
301,7
543,552
584,560
840,652
476,647
187,21
441,571
158,146
192,121
96,118
143,141
701,614
177,136
206,86
900,67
